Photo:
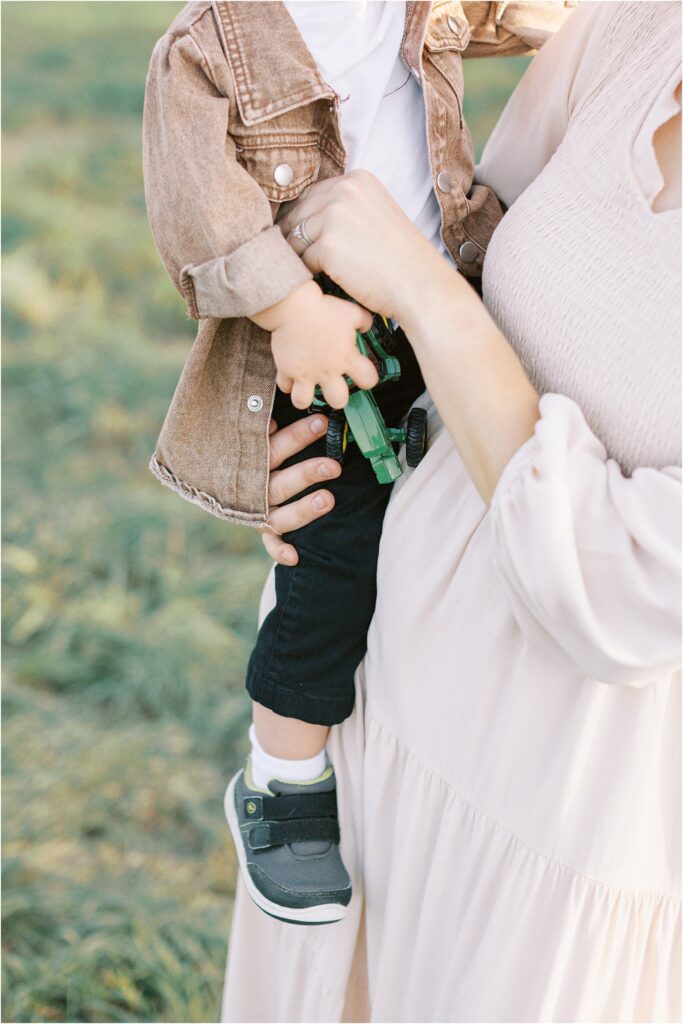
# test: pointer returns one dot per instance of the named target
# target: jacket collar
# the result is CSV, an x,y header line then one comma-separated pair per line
x,y
417,18
247,32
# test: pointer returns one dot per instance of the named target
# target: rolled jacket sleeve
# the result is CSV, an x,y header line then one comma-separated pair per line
x,y
590,558
505,29
211,221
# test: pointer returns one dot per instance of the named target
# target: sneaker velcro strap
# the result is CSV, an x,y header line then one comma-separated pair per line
x,y
277,833
293,805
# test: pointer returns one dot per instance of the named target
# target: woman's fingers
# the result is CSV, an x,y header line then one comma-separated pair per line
x,y
313,257
285,483
294,438
278,549
313,223
287,518
310,202
363,240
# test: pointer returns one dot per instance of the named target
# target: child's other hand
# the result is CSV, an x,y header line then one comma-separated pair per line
x,y
314,342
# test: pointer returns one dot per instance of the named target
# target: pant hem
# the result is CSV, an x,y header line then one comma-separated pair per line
x,y
289,704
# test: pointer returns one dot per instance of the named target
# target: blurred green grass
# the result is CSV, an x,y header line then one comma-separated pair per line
x,y
128,614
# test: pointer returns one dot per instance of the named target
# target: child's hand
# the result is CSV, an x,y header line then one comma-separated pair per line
x,y
314,342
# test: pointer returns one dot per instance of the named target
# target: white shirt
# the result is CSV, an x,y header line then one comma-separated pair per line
x,y
356,44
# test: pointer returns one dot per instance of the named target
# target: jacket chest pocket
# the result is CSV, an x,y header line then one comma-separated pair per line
x,y
282,168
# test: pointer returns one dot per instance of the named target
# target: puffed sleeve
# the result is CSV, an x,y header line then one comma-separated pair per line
x,y
590,559
537,115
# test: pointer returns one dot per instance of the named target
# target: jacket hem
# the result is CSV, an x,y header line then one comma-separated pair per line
x,y
202,499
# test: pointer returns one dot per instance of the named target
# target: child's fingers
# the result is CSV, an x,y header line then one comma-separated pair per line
x,y
302,394
284,382
336,392
363,319
362,371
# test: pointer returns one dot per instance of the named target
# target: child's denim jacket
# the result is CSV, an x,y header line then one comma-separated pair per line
x,y
238,120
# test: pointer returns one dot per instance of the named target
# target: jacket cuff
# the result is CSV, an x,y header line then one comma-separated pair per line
x,y
258,274
534,22
504,29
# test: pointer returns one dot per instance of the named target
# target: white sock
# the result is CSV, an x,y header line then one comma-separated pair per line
x,y
265,767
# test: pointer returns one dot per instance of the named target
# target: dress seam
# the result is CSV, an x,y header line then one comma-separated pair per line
x,y
490,820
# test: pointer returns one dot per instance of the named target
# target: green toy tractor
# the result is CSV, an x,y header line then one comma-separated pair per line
x,y
360,422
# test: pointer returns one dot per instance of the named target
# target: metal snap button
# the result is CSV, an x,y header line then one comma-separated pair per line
x,y
469,252
283,174
254,403
444,182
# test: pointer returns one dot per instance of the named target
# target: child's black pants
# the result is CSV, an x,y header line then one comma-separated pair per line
x,y
312,642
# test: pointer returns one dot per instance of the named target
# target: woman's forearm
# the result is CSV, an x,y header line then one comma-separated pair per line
x,y
475,379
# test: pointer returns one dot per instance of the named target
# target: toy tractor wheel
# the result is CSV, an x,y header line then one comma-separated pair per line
x,y
335,442
416,437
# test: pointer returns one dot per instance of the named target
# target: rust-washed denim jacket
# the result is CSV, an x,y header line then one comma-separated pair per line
x,y
238,121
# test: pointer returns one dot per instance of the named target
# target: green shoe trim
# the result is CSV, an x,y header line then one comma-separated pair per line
x,y
310,782
249,779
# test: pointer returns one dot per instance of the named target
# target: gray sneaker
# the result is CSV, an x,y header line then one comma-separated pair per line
x,y
287,841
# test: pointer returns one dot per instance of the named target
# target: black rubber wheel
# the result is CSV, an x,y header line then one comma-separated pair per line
x,y
336,430
416,437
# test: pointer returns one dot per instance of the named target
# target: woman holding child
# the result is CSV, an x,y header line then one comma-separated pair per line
x,y
509,780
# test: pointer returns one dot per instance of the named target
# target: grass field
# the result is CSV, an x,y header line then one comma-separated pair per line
x,y
128,614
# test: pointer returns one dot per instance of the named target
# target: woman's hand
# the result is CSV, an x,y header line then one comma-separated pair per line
x,y
362,239
285,483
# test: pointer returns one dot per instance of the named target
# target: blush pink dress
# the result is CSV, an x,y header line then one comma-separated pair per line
x,y
510,778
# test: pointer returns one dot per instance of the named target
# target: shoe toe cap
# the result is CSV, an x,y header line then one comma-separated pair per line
x,y
286,889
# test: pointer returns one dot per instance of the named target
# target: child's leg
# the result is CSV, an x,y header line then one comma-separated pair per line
x,y
309,646
285,748
282,807
288,737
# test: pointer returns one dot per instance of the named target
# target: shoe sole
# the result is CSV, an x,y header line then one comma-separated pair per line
x,y
326,913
